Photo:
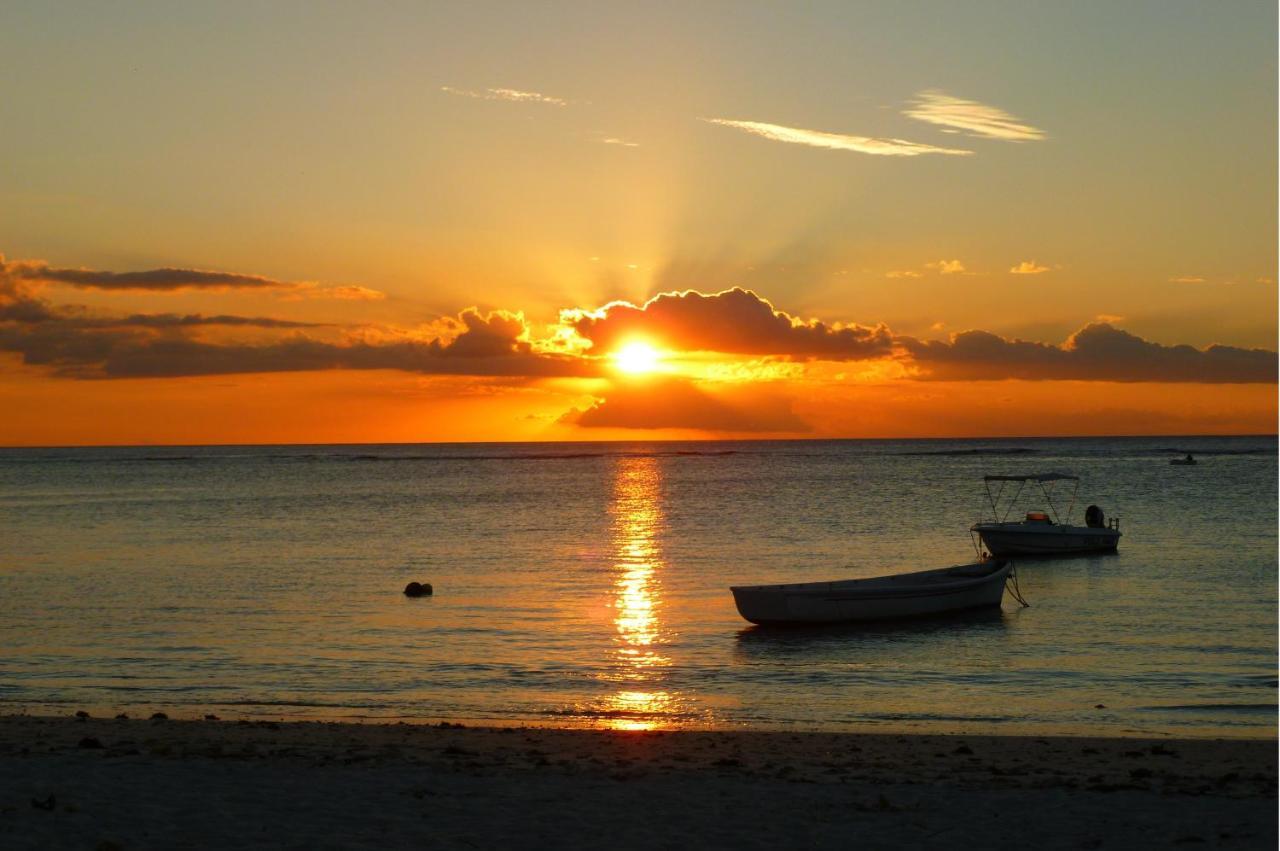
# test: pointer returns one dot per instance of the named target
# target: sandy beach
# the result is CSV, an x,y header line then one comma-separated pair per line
x,y
161,783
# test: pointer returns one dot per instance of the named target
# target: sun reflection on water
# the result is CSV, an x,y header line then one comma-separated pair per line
x,y
641,703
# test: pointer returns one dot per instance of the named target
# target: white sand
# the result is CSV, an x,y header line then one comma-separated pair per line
x,y
308,785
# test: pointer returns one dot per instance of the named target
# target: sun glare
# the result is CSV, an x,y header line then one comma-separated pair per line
x,y
636,358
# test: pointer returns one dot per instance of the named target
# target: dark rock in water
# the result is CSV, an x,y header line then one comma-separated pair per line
x,y
123,716
82,715
212,718
90,742
159,716
418,589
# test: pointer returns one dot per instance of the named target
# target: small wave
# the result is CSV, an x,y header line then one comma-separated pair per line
x,y
1010,450
934,716
1260,450
302,703
1212,707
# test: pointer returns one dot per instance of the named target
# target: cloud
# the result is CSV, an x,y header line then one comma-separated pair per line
x,y
338,293
164,279
971,117
614,140
947,267
903,273
1028,267
76,343
1187,279
679,404
836,141
1097,352
735,321
513,95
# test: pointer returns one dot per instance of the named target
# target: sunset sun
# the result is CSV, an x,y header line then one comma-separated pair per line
x,y
637,358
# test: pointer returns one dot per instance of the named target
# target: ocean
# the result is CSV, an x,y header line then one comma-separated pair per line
x,y
586,584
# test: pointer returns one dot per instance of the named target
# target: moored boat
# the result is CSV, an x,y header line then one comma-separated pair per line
x,y
903,595
1041,532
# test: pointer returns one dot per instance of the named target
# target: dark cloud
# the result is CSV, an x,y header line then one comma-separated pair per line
x,y
675,403
163,279
734,321
173,358
129,347
1098,352
75,341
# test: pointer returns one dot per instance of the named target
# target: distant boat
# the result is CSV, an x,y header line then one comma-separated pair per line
x,y
1183,461
903,595
1041,532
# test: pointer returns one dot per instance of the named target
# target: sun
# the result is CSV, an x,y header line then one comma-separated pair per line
x,y
636,358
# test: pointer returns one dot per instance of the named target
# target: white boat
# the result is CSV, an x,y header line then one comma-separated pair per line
x,y
1041,532
1188,461
903,595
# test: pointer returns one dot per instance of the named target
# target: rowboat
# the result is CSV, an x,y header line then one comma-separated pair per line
x,y
902,595
1043,532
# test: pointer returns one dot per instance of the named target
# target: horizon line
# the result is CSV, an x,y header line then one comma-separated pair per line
x,y
1273,436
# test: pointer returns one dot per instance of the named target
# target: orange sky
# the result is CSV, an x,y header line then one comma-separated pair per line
x,y
846,220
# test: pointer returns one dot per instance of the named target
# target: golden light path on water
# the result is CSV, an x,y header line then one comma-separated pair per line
x,y
640,703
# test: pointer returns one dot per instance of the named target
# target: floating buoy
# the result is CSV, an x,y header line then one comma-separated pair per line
x,y
418,589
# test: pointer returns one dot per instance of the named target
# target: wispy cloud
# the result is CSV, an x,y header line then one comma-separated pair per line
x,y
1187,279
347,292
947,267
155,280
970,116
1028,267
614,140
514,95
903,273
836,141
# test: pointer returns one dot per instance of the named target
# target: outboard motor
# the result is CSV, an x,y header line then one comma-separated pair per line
x,y
1094,518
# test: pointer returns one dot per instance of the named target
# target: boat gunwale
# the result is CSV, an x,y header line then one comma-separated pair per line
x,y
893,588
1041,528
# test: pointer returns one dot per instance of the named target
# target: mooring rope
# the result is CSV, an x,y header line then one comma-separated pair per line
x,y
1011,582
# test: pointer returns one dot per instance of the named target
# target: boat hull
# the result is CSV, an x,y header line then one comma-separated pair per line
x,y
1009,539
922,594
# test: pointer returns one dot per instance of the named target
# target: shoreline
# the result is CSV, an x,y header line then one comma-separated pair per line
x,y
271,713
135,782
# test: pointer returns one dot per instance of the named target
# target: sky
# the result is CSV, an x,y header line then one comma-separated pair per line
x,y
281,223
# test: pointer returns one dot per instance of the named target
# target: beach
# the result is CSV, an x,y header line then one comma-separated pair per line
x,y
68,782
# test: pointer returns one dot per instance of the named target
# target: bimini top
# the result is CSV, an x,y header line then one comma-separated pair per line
x,y
1035,477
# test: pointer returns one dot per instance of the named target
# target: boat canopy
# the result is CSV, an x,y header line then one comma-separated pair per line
x,y
1035,477
1045,481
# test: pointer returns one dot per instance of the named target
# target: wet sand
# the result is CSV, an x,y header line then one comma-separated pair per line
x,y
108,783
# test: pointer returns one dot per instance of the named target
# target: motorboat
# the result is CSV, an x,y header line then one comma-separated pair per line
x,y
1042,532
1183,462
902,595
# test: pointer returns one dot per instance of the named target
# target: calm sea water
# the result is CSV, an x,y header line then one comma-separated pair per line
x,y
587,584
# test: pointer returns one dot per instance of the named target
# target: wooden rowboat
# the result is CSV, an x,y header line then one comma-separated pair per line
x,y
903,595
